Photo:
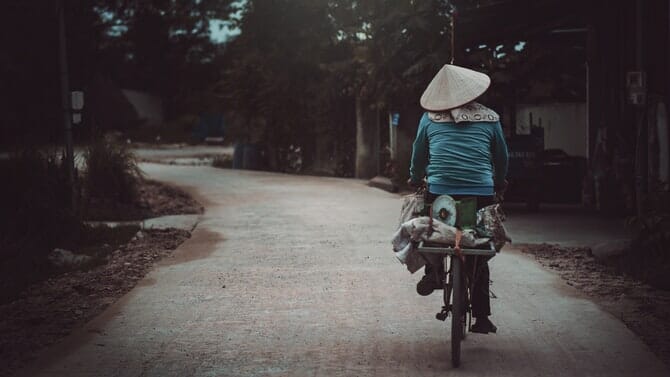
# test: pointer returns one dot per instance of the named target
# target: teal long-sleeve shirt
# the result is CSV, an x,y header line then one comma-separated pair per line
x,y
466,158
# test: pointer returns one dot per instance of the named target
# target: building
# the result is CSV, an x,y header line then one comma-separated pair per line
x,y
592,75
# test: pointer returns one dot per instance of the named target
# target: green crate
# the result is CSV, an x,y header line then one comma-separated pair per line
x,y
466,213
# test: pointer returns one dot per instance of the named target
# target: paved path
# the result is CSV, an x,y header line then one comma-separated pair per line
x,y
183,151
293,276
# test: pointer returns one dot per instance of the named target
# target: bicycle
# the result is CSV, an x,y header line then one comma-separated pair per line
x,y
455,282
457,286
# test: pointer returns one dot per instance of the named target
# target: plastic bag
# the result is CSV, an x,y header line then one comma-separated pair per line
x,y
490,220
412,207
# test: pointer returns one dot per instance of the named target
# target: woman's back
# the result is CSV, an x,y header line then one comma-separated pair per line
x,y
460,158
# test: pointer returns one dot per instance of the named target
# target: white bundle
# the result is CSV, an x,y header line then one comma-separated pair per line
x,y
417,229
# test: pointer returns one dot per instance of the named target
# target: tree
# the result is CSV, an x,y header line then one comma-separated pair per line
x,y
303,63
397,46
163,46
273,76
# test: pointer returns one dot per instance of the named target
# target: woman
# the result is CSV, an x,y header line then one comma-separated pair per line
x,y
461,150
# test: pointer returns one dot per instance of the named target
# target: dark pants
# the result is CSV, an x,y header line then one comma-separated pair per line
x,y
479,266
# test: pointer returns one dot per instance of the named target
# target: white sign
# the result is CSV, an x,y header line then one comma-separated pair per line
x,y
77,98
76,118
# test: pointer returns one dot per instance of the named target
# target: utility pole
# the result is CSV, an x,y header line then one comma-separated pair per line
x,y
641,157
65,103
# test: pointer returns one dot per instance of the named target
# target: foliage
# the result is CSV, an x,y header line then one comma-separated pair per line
x,y
222,161
293,73
653,226
35,210
272,77
158,46
292,77
111,173
163,47
396,46
649,257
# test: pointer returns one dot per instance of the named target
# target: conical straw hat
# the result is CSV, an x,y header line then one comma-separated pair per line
x,y
452,87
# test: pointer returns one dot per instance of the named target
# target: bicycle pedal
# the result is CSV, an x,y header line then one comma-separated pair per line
x,y
442,316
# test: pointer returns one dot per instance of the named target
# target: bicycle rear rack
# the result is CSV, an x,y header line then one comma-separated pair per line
x,y
449,250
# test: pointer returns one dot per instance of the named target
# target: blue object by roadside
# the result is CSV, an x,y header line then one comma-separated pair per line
x,y
248,156
209,126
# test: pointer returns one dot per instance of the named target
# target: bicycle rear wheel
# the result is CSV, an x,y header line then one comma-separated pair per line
x,y
457,309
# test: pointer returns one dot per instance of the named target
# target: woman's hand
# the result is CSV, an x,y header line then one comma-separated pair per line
x,y
416,184
500,191
501,188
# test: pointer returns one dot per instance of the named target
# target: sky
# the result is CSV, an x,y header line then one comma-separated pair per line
x,y
220,32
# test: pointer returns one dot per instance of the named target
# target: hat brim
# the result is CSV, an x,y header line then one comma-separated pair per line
x,y
453,87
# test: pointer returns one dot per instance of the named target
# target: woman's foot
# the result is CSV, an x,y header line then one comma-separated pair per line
x,y
483,325
426,285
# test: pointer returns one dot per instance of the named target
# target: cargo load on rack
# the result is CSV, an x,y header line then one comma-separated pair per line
x,y
414,228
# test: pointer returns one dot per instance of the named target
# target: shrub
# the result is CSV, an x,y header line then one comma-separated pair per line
x,y
35,210
112,173
653,226
649,259
222,161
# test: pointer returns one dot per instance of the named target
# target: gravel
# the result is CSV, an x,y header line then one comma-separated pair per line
x,y
644,309
49,311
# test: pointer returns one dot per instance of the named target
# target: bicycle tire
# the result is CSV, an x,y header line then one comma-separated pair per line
x,y
457,310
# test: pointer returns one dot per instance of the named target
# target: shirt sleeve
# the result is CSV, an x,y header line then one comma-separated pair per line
x,y
417,169
500,155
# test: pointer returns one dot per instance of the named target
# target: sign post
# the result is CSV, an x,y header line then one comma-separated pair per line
x,y
77,101
394,120
65,102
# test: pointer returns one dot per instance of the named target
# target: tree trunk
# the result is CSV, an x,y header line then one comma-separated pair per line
x,y
366,156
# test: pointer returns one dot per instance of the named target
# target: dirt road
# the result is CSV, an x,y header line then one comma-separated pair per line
x,y
293,276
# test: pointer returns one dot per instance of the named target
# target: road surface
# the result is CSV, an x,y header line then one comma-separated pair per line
x,y
294,276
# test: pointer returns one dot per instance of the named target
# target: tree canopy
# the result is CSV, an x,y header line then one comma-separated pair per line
x,y
298,64
292,76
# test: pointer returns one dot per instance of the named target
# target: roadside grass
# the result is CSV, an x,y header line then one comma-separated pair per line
x,y
35,205
36,216
648,258
223,162
111,173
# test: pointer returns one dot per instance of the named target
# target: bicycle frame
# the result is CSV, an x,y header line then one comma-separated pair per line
x,y
447,253
453,263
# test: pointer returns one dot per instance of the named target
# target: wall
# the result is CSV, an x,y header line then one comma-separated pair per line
x,y
564,125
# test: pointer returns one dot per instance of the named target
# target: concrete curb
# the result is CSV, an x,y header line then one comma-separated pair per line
x,y
183,222
383,183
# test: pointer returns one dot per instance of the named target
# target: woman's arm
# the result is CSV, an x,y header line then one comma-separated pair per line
x,y
417,169
500,156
